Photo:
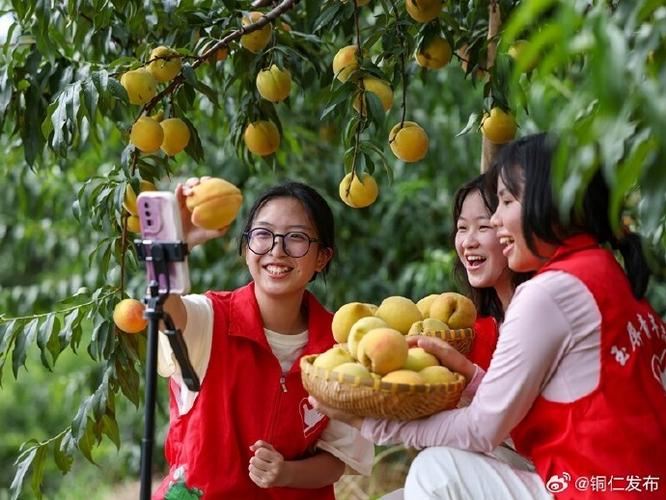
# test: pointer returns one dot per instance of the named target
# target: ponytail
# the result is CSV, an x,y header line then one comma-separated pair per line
x,y
635,264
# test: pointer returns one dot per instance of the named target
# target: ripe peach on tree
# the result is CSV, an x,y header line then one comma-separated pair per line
x,y
408,141
262,137
499,126
435,53
378,87
165,63
140,85
423,11
358,192
128,316
274,84
147,135
345,62
256,41
176,136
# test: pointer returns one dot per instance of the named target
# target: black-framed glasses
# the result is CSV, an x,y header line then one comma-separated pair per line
x,y
294,243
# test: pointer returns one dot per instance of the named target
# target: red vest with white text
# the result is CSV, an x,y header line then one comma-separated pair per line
x,y
610,443
245,397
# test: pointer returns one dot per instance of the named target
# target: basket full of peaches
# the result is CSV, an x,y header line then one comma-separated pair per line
x,y
372,371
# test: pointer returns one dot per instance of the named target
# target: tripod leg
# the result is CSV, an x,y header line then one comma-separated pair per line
x,y
149,401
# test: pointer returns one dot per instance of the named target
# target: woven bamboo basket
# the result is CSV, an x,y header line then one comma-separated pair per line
x,y
461,340
377,399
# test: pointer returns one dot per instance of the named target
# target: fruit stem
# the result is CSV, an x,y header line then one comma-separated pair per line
x,y
403,71
357,135
359,47
488,150
123,237
359,58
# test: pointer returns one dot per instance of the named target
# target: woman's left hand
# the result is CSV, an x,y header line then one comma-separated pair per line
x,y
267,466
334,413
446,354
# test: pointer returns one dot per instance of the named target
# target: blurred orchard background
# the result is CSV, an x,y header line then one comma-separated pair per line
x,y
593,72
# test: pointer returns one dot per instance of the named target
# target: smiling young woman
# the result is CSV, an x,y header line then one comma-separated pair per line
x,y
250,432
578,375
482,270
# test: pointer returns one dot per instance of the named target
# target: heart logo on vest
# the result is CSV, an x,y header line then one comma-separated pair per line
x,y
310,416
659,368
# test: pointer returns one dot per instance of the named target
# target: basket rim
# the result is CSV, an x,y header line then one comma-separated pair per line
x,y
443,333
355,381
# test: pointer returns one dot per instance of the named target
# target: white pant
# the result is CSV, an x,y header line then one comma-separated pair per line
x,y
449,473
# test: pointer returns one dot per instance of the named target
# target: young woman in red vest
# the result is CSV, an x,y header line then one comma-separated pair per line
x,y
251,432
481,270
484,275
578,377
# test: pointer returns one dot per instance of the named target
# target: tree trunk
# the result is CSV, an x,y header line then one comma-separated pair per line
x,y
488,149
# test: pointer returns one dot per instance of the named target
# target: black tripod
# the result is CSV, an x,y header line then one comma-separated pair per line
x,y
158,255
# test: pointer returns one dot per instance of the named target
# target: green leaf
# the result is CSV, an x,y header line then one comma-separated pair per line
x,y
61,454
23,341
128,379
47,330
38,464
86,442
80,421
91,98
628,173
31,133
327,15
99,339
100,398
473,123
81,296
342,94
117,91
7,333
23,463
68,330
59,123
375,108
110,428
194,148
53,344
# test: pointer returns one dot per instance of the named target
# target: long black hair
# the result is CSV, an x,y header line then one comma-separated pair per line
x,y
486,300
525,167
315,205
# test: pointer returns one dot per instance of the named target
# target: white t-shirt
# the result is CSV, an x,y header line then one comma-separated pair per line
x,y
339,439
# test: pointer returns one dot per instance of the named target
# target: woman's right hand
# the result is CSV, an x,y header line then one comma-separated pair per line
x,y
194,235
448,356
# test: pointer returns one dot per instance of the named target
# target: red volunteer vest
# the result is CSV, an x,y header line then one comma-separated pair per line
x,y
485,341
245,397
609,443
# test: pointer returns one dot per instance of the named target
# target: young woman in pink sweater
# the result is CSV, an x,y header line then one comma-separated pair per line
x,y
578,378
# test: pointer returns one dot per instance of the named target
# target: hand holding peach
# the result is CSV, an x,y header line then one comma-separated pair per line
x,y
215,203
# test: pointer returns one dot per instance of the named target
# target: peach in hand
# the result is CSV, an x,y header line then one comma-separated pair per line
x,y
214,203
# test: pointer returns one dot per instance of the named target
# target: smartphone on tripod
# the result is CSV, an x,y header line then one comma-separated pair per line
x,y
160,221
165,253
